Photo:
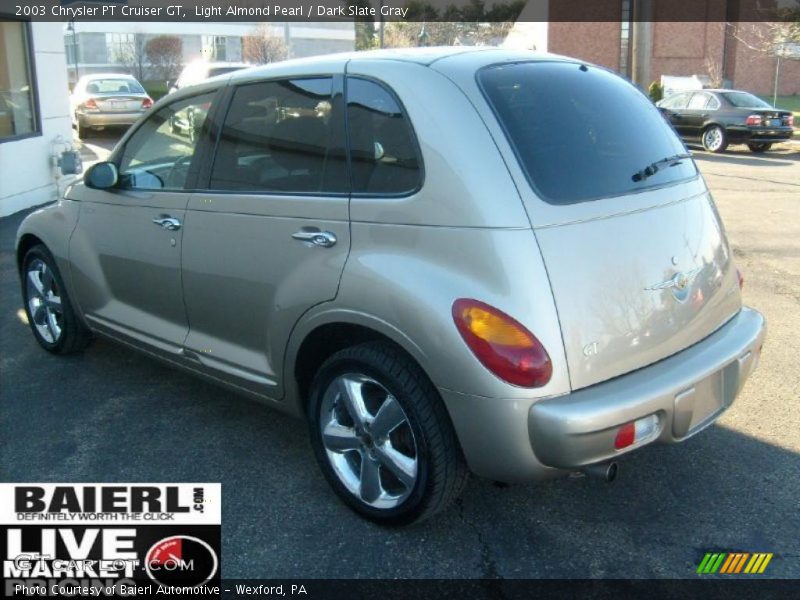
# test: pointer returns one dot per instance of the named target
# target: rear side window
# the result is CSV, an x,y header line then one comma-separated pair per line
x,y
579,132
676,101
383,150
699,101
282,136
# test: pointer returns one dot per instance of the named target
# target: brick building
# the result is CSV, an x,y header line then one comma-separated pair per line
x,y
708,38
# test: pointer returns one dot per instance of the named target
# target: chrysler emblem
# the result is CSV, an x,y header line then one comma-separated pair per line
x,y
678,284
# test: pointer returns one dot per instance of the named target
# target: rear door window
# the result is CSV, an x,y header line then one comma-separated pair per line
x,y
384,155
581,133
699,101
282,136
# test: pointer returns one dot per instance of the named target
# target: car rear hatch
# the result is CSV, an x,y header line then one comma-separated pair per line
x,y
638,262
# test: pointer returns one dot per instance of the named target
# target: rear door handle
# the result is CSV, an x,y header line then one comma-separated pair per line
x,y
325,239
167,222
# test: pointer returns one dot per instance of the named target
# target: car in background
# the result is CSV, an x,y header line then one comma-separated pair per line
x,y
189,121
107,99
717,118
201,70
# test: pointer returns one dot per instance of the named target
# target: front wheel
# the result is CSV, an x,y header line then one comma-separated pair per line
x,y
715,139
382,436
50,314
759,147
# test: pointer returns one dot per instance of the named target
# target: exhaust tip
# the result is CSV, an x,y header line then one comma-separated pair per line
x,y
607,471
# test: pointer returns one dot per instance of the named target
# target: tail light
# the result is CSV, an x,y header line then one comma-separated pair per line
x,y
740,278
147,103
90,103
789,120
502,344
753,120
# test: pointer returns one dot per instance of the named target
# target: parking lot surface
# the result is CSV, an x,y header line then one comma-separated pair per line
x,y
112,415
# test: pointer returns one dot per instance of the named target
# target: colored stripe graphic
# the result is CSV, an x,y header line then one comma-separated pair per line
x,y
733,562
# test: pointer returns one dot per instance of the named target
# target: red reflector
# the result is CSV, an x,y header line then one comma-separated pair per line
x,y
502,344
147,103
625,436
90,103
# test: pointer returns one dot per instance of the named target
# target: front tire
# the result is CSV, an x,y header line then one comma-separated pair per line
x,y
715,139
51,316
759,147
382,436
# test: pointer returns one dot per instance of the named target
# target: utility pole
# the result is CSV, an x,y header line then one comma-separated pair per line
x,y
71,27
641,42
380,27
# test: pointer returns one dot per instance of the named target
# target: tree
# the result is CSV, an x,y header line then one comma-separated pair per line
x,y
128,50
471,24
165,55
261,46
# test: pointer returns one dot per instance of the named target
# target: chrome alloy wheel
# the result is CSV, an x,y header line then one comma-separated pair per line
x,y
369,441
713,138
44,301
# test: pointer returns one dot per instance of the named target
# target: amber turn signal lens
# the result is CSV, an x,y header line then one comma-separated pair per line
x,y
502,344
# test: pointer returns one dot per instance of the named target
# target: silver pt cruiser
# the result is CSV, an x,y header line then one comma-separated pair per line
x,y
446,260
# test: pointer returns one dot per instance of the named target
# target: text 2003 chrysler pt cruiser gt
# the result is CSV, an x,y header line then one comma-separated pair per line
x,y
445,260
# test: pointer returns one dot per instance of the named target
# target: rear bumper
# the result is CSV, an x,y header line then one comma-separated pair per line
x,y
758,135
513,440
103,119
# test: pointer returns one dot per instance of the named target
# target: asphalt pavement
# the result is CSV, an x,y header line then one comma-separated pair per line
x,y
110,415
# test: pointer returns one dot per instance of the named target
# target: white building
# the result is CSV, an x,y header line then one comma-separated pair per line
x,y
103,46
34,112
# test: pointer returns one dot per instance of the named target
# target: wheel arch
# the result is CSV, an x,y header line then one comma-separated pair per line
x,y
317,338
25,243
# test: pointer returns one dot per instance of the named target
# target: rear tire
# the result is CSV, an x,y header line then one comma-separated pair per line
x,y
382,435
715,139
81,130
52,318
759,147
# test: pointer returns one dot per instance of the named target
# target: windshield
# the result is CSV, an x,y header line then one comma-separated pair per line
x,y
580,132
745,100
114,86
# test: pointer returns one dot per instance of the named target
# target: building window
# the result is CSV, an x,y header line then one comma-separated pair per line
x,y
121,47
625,38
18,106
215,47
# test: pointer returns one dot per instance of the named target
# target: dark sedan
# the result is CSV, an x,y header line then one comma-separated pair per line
x,y
717,118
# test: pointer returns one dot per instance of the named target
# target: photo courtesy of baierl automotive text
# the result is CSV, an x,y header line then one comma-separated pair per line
x,y
493,299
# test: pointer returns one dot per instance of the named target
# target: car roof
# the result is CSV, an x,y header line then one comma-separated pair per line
x,y
478,56
91,76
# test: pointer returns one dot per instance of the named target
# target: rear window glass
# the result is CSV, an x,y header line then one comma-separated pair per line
x,y
745,100
580,132
114,86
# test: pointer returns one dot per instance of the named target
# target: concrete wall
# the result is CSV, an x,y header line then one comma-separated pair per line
x,y
26,174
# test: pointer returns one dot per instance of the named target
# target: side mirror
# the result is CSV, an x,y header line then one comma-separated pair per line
x,y
101,176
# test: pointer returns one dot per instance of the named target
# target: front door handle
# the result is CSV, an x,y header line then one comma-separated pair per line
x,y
325,239
167,222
